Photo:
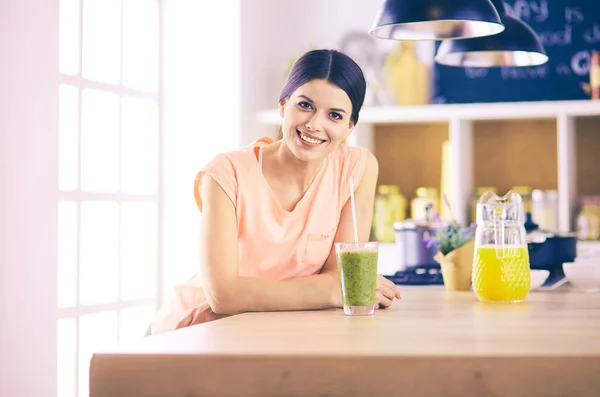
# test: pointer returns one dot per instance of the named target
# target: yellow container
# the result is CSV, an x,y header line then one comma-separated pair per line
x,y
588,220
407,77
425,195
390,207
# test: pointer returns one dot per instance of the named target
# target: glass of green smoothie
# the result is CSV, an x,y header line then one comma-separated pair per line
x,y
358,270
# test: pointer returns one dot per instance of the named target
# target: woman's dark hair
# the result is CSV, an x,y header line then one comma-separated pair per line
x,y
332,66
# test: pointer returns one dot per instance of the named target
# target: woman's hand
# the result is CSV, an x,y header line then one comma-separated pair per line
x,y
386,292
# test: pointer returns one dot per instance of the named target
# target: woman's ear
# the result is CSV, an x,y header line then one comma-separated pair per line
x,y
281,107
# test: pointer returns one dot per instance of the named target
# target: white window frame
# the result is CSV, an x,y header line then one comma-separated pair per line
x,y
79,196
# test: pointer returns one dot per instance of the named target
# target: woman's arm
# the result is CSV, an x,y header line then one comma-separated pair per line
x,y
228,293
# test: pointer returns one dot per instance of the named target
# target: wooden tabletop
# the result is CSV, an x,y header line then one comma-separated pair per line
x,y
431,343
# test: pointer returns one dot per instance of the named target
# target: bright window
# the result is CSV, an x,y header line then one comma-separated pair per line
x,y
109,179
128,223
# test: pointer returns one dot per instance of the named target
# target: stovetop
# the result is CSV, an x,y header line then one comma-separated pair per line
x,y
422,275
432,275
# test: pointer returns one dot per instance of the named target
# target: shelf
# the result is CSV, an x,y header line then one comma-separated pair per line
x,y
475,111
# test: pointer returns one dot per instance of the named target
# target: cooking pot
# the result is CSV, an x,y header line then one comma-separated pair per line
x,y
412,247
548,251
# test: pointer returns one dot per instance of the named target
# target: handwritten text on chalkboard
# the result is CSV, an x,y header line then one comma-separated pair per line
x,y
568,29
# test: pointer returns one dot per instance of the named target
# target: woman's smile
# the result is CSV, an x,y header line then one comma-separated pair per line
x,y
309,140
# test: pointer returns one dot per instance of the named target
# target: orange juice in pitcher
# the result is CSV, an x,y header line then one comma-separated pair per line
x,y
501,271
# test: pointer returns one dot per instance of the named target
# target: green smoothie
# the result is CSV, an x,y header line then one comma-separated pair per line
x,y
359,277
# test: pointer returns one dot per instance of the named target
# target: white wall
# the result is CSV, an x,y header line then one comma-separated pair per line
x,y
261,73
28,199
202,116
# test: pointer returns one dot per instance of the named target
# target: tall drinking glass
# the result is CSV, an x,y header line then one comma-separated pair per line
x,y
357,263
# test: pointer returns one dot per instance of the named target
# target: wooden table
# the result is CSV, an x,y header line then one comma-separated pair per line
x,y
431,343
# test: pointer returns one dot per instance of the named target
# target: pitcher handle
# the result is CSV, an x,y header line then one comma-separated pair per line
x,y
499,232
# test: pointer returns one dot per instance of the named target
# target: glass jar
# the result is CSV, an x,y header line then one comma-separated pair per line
x,y
390,207
588,220
544,209
418,205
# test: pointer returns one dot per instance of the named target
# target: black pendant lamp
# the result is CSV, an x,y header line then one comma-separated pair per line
x,y
517,45
436,19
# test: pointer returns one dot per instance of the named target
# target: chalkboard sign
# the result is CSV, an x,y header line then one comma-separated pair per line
x,y
569,31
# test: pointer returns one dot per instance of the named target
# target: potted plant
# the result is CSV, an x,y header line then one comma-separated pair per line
x,y
455,245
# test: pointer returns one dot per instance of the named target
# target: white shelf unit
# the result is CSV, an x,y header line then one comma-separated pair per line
x,y
460,118
475,111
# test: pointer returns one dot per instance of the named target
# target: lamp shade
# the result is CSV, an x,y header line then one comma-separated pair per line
x,y
436,19
517,45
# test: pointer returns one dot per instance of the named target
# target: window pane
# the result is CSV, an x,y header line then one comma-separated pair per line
x,y
140,44
139,152
69,36
67,254
68,138
99,141
134,323
99,245
97,332
66,357
102,40
138,250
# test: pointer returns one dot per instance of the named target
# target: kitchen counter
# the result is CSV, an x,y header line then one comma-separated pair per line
x,y
431,343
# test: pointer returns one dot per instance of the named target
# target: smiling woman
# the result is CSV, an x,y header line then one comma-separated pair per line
x,y
275,209
335,68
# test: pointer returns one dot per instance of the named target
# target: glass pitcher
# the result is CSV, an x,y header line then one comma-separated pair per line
x,y
501,270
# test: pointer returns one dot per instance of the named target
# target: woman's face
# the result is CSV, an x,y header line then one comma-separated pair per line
x,y
316,119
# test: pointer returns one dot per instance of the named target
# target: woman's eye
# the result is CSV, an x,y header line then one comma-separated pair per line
x,y
335,115
305,105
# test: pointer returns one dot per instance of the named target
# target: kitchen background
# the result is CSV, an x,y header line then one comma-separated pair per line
x,y
530,129
108,126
